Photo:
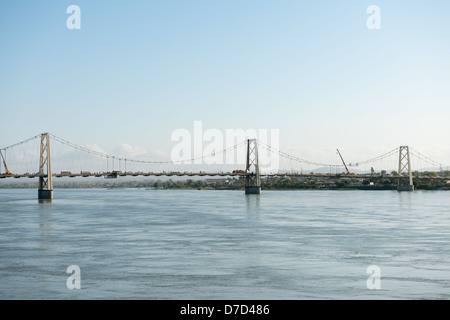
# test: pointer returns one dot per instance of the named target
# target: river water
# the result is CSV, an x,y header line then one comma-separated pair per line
x,y
192,244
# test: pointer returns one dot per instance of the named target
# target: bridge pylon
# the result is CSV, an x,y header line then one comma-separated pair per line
x,y
45,190
253,178
404,166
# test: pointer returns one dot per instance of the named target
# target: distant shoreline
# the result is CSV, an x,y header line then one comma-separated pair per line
x,y
281,184
222,188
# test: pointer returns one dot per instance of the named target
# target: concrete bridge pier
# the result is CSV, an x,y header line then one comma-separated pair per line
x,y
45,194
405,187
252,190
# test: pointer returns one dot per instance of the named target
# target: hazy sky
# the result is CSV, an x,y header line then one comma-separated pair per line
x,y
138,70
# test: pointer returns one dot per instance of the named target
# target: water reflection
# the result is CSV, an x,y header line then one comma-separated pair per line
x,y
45,200
45,222
405,201
252,259
252,201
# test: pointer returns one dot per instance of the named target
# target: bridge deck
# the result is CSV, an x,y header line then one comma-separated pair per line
x,y
222,174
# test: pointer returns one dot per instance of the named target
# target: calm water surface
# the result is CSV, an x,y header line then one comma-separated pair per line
x,y
154,244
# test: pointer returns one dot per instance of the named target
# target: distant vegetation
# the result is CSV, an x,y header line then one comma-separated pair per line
x,y
381,182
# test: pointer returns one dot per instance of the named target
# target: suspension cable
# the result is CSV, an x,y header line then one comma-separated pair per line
x,y
101,154
381,157
193,159
22,142
426,159
294,158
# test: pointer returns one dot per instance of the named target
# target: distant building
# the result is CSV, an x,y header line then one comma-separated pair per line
x,y
217,180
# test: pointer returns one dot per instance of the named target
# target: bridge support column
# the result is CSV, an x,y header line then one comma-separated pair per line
x,y
404,166
45,191
253,179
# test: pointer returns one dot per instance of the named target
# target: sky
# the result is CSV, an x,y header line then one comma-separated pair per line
x,y
137,71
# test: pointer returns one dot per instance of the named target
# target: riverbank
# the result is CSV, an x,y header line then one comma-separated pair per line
x,y
229,185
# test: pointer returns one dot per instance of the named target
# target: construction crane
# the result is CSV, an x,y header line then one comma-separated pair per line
x,y
8,173
344,162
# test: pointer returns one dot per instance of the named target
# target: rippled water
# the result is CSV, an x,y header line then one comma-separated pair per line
x,y
189,244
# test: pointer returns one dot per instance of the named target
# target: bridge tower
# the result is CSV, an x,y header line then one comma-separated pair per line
x,y
45,169
253,179
404,166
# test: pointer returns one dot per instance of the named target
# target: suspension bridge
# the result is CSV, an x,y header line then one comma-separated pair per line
x,y
66,159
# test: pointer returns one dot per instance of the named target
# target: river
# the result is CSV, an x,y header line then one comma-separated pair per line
x,y
202,244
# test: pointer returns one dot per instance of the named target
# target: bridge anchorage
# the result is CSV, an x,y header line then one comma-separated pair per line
x,y
45,191
253,178
404,168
